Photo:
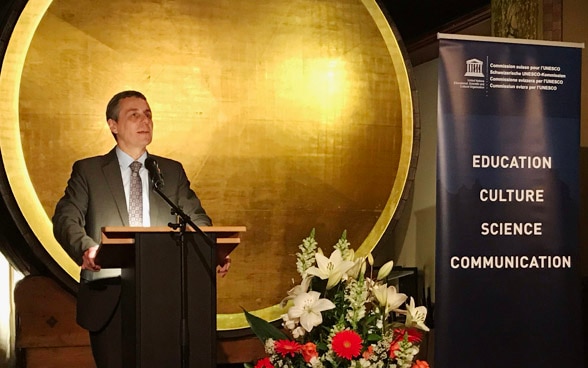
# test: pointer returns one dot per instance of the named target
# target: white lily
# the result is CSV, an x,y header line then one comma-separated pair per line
x,y
296,290
331,268
379,292
350,255
356,269
415,316
388,297
308,307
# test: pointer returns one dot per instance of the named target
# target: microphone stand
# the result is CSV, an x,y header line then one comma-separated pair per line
x,y
183,221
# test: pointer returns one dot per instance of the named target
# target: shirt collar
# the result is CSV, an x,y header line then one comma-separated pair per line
x,y
124,160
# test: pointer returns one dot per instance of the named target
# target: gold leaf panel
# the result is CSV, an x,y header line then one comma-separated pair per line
x,y
287,116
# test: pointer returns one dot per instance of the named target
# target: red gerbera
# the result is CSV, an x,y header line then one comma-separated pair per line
x,y
347,344
264,363
287,347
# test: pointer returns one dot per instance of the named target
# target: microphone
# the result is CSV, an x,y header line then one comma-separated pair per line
x,y
154,171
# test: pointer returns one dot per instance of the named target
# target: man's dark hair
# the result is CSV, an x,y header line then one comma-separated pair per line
x,y
113,107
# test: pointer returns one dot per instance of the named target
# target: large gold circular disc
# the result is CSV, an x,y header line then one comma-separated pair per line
x,y
287,116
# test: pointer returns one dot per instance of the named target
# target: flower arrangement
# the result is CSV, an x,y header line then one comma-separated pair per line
x,y
339,316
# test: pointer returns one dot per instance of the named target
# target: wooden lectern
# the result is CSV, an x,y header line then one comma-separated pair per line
x,y
151,295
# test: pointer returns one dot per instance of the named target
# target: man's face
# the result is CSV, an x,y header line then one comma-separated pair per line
x,y
134,128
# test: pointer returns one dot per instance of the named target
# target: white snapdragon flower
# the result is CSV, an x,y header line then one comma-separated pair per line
x,y
316,363
269,346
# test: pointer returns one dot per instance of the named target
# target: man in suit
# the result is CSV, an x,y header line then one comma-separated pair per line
x,y
99,194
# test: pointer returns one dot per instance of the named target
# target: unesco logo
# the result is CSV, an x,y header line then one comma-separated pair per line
x,y
474,68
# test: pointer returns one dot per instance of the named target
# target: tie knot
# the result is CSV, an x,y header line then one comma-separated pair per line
x,y
135,167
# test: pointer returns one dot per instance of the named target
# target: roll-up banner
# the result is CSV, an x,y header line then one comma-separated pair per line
x,y
508,290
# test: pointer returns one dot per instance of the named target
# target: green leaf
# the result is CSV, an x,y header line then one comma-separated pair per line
x,y
263,329
374,338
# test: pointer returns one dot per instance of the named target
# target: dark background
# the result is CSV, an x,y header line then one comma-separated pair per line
x,y
417,19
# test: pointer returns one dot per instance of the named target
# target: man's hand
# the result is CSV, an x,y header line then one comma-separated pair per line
x,y
88,259
223,269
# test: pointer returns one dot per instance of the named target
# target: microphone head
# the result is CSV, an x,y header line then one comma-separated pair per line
x,y
150,163
153,168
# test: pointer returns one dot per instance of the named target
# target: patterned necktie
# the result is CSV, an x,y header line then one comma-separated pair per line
x,y
135,196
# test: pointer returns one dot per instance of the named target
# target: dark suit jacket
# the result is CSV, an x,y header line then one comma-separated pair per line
x,y
94,198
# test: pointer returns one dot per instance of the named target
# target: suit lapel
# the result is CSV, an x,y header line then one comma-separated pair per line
x,y
111,171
